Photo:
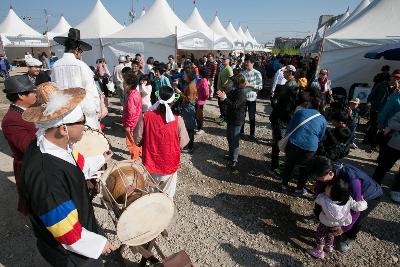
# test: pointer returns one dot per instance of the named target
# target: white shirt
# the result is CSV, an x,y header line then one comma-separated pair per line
x,y
70,72
147,69
145,92
90,244
278,79
117,76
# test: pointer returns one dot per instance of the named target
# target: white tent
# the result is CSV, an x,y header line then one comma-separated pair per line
x,y
344,49
239,45
248,45
61,28
217,27
196,22
158,34
256,45
17,37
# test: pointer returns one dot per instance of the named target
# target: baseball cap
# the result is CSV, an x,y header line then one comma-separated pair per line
x,y
290,68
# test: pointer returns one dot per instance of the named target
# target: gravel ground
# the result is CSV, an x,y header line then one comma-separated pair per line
x,y
222,218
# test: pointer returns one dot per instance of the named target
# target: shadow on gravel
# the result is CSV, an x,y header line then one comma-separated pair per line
x,y
249,171
383,230
245,256
256,214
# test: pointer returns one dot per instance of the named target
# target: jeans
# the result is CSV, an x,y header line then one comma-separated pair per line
x,y
191,141
251,108
352,125
4,74
386,159
233,136
199,117
296,158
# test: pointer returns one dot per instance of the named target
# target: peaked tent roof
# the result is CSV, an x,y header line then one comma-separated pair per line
x,y
242,35
13,26
99,23
231,30
361,6
196,22
248,35
217,27
160,21
368,24
62,26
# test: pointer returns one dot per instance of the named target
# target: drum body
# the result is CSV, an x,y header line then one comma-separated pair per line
x,y
93,143
144,214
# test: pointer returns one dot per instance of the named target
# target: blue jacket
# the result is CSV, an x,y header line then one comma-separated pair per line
x,y
391,107
310,134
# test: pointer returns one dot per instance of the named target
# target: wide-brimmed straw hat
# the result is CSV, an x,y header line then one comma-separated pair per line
x,y
74,38
53,102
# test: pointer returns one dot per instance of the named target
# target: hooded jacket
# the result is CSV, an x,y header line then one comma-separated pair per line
x,y
334,215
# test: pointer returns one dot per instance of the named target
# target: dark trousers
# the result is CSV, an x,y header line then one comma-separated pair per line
x,y
233,136
103,85
276,136
191,141
370,136
200,116
296,158
222,108
352,233
251,109
386,159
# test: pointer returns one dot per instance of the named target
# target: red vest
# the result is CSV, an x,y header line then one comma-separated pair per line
x,y
161,149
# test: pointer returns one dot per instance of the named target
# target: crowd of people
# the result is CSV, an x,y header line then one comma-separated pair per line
x,y
163,106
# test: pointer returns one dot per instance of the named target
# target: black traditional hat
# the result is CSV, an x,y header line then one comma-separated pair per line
x,y
73,39
18,84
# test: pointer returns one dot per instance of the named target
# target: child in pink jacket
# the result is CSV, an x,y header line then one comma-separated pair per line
x,y
203,92
132,112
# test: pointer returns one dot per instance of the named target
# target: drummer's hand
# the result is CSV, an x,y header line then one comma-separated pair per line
x,y
108,248
108,155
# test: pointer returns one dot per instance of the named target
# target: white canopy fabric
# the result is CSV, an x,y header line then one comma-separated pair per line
x,y
16,36
159,33
239,45
256,45
98,24
13,26
196,22
61,28
143,12
344,50
248,45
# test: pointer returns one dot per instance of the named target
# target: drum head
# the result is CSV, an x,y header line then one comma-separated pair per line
x,y
93,143
145,219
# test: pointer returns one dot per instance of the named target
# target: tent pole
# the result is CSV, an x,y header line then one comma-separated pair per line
x,y
176,43
321,49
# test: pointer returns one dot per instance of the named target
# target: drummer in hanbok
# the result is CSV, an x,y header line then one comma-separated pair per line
x,y
162,136
53,181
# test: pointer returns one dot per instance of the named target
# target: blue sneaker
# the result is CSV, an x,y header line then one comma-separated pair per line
x,y
395,196
299,193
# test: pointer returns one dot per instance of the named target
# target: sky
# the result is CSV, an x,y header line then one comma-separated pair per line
x,y
266,19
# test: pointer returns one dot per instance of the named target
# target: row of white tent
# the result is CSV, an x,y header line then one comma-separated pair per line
x,y
343,43
158,32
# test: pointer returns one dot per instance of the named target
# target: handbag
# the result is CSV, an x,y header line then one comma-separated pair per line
x,y
283,142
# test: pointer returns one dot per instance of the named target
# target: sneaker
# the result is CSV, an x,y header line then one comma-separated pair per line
x,y
316,253
200,132
311,220
222,123
395,196
284,188
219,119
345,245
328,248
252,138
353,146
187,151
299,193
233,164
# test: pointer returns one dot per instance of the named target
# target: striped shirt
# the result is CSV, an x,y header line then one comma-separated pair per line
x,y
253,77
